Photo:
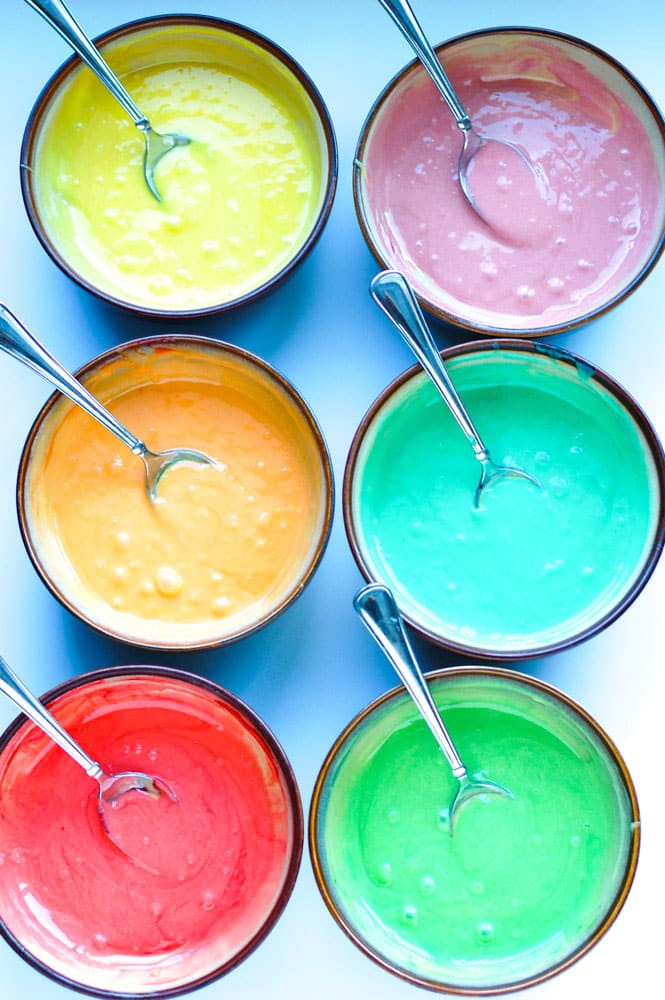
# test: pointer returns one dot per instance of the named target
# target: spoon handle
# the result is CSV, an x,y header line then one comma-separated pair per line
x,y
16,341
59,17
408,24
394,295
379,613
35,711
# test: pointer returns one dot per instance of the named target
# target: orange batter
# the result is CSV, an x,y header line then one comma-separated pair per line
x,y
224,546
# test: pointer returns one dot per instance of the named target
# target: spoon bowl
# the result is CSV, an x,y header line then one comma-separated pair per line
x,y
16,341
474,141
378,611
393,293
112,788
157,144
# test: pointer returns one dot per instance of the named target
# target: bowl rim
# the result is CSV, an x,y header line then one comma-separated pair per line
x,y
330,164
560,698
173,342
292,797
434,309
617,391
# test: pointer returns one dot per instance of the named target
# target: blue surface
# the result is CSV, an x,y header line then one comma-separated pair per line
x,y
314,668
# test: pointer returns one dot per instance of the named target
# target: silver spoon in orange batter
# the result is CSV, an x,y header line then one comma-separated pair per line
x,y
394,295
378,611
111,787
16,341
157,144
473,140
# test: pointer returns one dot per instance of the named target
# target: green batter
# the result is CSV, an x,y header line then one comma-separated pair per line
x,y
530,567
523,882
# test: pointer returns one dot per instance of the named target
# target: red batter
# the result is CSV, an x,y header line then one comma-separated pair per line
x,y
224,852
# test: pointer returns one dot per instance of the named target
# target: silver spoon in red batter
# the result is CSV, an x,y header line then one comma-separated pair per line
x,y
157,144
473,140
16,341
378,611
393,293
111,787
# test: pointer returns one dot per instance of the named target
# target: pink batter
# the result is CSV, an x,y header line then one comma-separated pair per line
x,y
548,256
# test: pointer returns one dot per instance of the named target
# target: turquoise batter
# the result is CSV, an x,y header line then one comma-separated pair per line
x,y
530,567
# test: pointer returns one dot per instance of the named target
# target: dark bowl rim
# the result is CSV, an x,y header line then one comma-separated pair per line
x,y
277,379
556,695
432,308
292,796
331,159
618,392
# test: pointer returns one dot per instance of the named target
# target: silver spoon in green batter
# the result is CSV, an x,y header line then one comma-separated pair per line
x,y
157,144
394,295
16,341
378,611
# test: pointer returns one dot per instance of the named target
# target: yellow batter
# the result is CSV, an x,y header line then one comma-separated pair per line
x,y
224,546
238,202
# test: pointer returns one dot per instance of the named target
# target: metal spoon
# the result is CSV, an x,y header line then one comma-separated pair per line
x,y
111,787
157,144
394,294
378,611
16,341
403,16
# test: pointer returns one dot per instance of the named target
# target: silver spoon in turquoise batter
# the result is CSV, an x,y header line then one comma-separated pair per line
x,y
157,144
16,341
394,295
378,611
111,787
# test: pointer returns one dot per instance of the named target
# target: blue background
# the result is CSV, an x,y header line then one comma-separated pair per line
x,y
313,669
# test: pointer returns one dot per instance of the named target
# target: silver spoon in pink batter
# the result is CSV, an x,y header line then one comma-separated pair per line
x,y
393,293
473,140
111,787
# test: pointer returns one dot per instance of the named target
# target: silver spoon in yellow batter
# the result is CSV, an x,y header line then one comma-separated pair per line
x,y
16,341
378,611
111,787
394,295
157,144
473,140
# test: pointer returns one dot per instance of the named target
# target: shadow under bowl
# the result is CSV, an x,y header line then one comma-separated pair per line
x,y
524,886
243,203
79,910
225,548
531,570
557,245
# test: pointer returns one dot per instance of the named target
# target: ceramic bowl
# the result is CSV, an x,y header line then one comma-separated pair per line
x,y
556,243
530,569
525,884
241,205
224,548
95,919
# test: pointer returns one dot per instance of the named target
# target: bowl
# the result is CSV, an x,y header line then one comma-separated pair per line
x,y
559,243
531,569
242,204
76,907
525,885
225,548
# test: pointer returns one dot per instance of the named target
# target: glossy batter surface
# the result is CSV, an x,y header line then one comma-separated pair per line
x,y
238,202
224,545
529,566
543,254
85,909
521,883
